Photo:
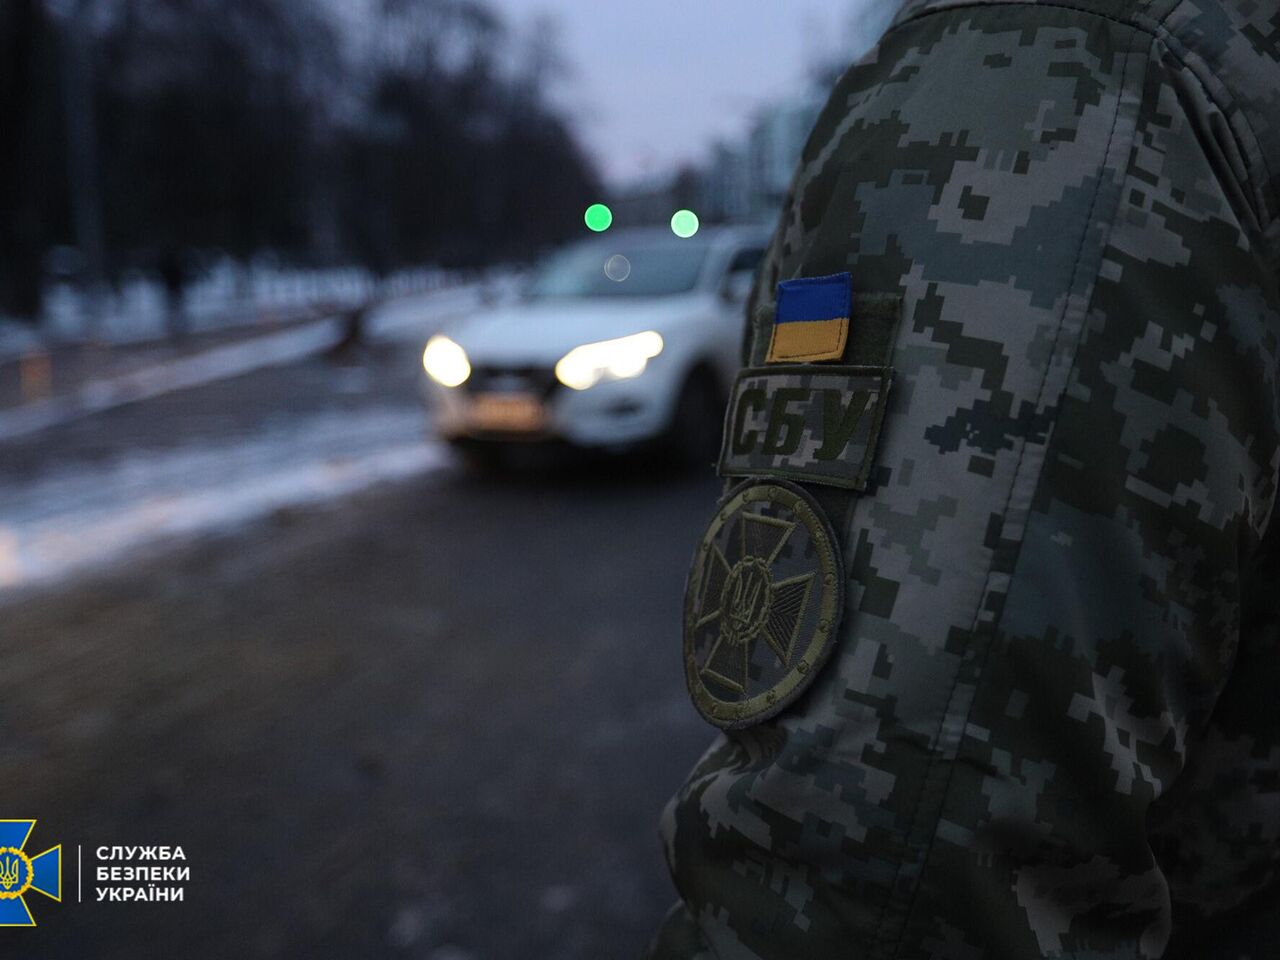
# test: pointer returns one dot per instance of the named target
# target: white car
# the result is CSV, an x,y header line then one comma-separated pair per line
x,y
617,341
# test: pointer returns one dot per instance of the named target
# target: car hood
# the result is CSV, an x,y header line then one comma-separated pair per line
x,y
540,332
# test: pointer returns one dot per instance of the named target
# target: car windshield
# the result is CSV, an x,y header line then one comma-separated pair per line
x,y
628,270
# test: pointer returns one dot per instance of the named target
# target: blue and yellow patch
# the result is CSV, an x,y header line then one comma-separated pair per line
x,y
812,319
21,873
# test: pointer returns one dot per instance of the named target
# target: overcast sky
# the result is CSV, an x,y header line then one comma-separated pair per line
x,y
656,80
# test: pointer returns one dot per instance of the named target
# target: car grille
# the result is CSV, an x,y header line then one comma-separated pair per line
x,y
540,381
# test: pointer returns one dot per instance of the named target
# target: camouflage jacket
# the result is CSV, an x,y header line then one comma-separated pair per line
x,y
1049,725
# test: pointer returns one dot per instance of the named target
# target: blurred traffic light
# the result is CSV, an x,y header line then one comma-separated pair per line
x,y
684,224
598,217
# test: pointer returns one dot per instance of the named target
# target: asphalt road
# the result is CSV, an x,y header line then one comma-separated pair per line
x,y
438,718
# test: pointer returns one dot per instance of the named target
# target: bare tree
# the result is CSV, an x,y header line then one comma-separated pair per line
x,y
424,133
24,32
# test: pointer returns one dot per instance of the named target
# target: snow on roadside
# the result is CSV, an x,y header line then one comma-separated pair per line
x,y
75,517
224,296
57,524
212,365
409,319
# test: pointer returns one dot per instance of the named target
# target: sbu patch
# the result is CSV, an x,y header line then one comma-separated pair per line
x,y
805,423
762,604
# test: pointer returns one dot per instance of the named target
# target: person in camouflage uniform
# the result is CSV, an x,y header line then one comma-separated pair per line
x,y
1049,725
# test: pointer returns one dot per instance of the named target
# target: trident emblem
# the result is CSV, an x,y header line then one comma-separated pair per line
x,y
746,599
12,869
745,603
20,874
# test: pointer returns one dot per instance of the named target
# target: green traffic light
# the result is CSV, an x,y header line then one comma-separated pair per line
x,y
598,217
684,224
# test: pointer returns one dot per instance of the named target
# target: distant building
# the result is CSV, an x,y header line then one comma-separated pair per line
x,y
726,184
745,181
773,149
645,202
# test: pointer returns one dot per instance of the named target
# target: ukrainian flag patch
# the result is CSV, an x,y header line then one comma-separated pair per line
x,y
812,319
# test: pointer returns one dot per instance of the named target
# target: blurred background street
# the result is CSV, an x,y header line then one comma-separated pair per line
x,y
441,715
398,686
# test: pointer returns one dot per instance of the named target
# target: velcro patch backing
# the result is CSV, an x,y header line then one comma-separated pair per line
x,y
804,423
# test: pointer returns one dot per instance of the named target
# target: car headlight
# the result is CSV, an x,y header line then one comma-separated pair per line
x,y
583,367
445,362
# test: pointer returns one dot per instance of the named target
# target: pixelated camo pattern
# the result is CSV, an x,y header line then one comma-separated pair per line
x,y
1050,726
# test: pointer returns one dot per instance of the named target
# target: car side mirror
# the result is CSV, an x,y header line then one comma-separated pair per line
x,y
737,286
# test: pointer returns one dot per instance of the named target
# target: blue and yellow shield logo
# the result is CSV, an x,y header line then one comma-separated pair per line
x,y
20,874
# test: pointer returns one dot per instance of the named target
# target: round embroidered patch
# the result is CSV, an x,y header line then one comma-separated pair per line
x,y
762,603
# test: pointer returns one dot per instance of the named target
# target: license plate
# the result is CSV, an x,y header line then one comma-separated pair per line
x,y
507,413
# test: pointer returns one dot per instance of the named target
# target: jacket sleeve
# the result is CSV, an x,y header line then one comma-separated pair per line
x,y
1062,564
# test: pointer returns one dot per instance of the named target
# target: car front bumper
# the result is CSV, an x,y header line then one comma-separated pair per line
x,y
616,413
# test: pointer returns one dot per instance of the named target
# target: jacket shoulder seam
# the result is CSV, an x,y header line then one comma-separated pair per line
x,y
1217,93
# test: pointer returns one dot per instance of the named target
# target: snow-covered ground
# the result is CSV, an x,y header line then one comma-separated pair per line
x,y
91,512
228,295
77,518
406,319
212,365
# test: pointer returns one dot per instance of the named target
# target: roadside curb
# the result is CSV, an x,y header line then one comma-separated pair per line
x,y
209,366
